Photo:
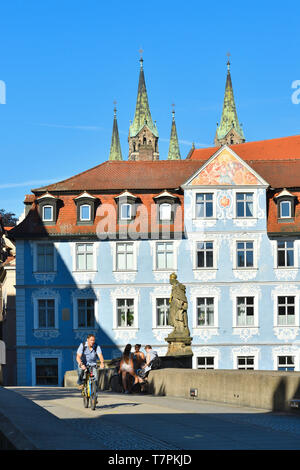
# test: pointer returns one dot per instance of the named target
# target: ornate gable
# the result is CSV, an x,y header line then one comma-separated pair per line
x,y
225,168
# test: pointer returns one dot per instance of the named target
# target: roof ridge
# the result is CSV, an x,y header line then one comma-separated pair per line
x,y
71,177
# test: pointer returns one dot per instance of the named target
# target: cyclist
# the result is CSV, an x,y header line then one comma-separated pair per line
x,y
87,355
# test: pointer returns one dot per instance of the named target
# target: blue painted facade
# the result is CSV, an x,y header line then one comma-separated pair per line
x,y
227,339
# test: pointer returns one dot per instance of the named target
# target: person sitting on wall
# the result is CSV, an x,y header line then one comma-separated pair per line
x,y
87,354
138,358
152,362
127,367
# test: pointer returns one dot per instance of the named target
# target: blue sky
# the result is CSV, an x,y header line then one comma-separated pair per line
x,y
64,62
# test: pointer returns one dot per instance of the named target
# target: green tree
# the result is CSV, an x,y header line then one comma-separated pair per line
x,y
9,219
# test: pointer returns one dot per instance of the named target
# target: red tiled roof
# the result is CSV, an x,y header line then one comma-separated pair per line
x,y
120,175
276,160
276,227
283,148
66,224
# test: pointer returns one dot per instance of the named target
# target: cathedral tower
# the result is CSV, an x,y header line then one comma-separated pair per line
x,y
229,131
143,134
174,151
115,147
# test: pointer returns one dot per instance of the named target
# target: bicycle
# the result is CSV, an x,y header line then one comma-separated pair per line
x,y
89,390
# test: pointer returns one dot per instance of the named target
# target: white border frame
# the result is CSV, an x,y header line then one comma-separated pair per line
x,y
85,294
45,294
125,293
214,203
74,263
35,257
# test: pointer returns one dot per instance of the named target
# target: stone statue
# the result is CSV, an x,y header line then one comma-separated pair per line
x,y
178,308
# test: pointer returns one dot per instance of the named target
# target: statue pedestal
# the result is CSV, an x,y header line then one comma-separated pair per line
x,y
179,345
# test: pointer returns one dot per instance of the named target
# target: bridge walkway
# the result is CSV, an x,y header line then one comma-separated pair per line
x,y
54,418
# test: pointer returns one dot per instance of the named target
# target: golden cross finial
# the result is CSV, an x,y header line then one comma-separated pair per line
x,y
173,110
141,59
228,62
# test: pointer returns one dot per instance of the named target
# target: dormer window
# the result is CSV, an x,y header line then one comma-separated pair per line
x,y
126,203
85,212
126,210
86,204
48,208
165,212
166,207
47,214
285,206
285,209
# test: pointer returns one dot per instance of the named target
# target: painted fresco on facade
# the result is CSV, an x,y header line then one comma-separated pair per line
x,y
225,169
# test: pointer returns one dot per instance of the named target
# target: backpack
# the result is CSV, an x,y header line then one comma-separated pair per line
x,y
155,363
95,346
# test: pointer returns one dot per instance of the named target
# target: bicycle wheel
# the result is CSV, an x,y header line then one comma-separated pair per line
x,y
85,396
93,395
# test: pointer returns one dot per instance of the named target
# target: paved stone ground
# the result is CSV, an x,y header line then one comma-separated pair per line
x,y
145,422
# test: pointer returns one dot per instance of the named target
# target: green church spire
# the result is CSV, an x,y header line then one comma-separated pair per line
x,y
174,151
143,134
229,131
115,147
142,110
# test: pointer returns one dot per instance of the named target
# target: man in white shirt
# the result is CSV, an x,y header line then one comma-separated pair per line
x,y
87,354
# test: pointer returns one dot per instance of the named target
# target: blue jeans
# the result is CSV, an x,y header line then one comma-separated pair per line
x,y
80,373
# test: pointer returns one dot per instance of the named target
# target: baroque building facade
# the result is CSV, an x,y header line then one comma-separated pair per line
x,y
95,252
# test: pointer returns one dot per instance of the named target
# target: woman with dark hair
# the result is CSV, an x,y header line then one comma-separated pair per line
x,y
138,358
127,367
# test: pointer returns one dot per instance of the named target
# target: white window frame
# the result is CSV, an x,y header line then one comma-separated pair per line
x,y
246,356
44,296
295,252
155,323
244,352
290,210
213,253
215,307
164,205
35,257
115,257
286,351
205,191
245,191
174,251
83,219
121,211
87,294
205,352
254,255
205,357
94,267
118,295
47,206
209,291
286,294
256,313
